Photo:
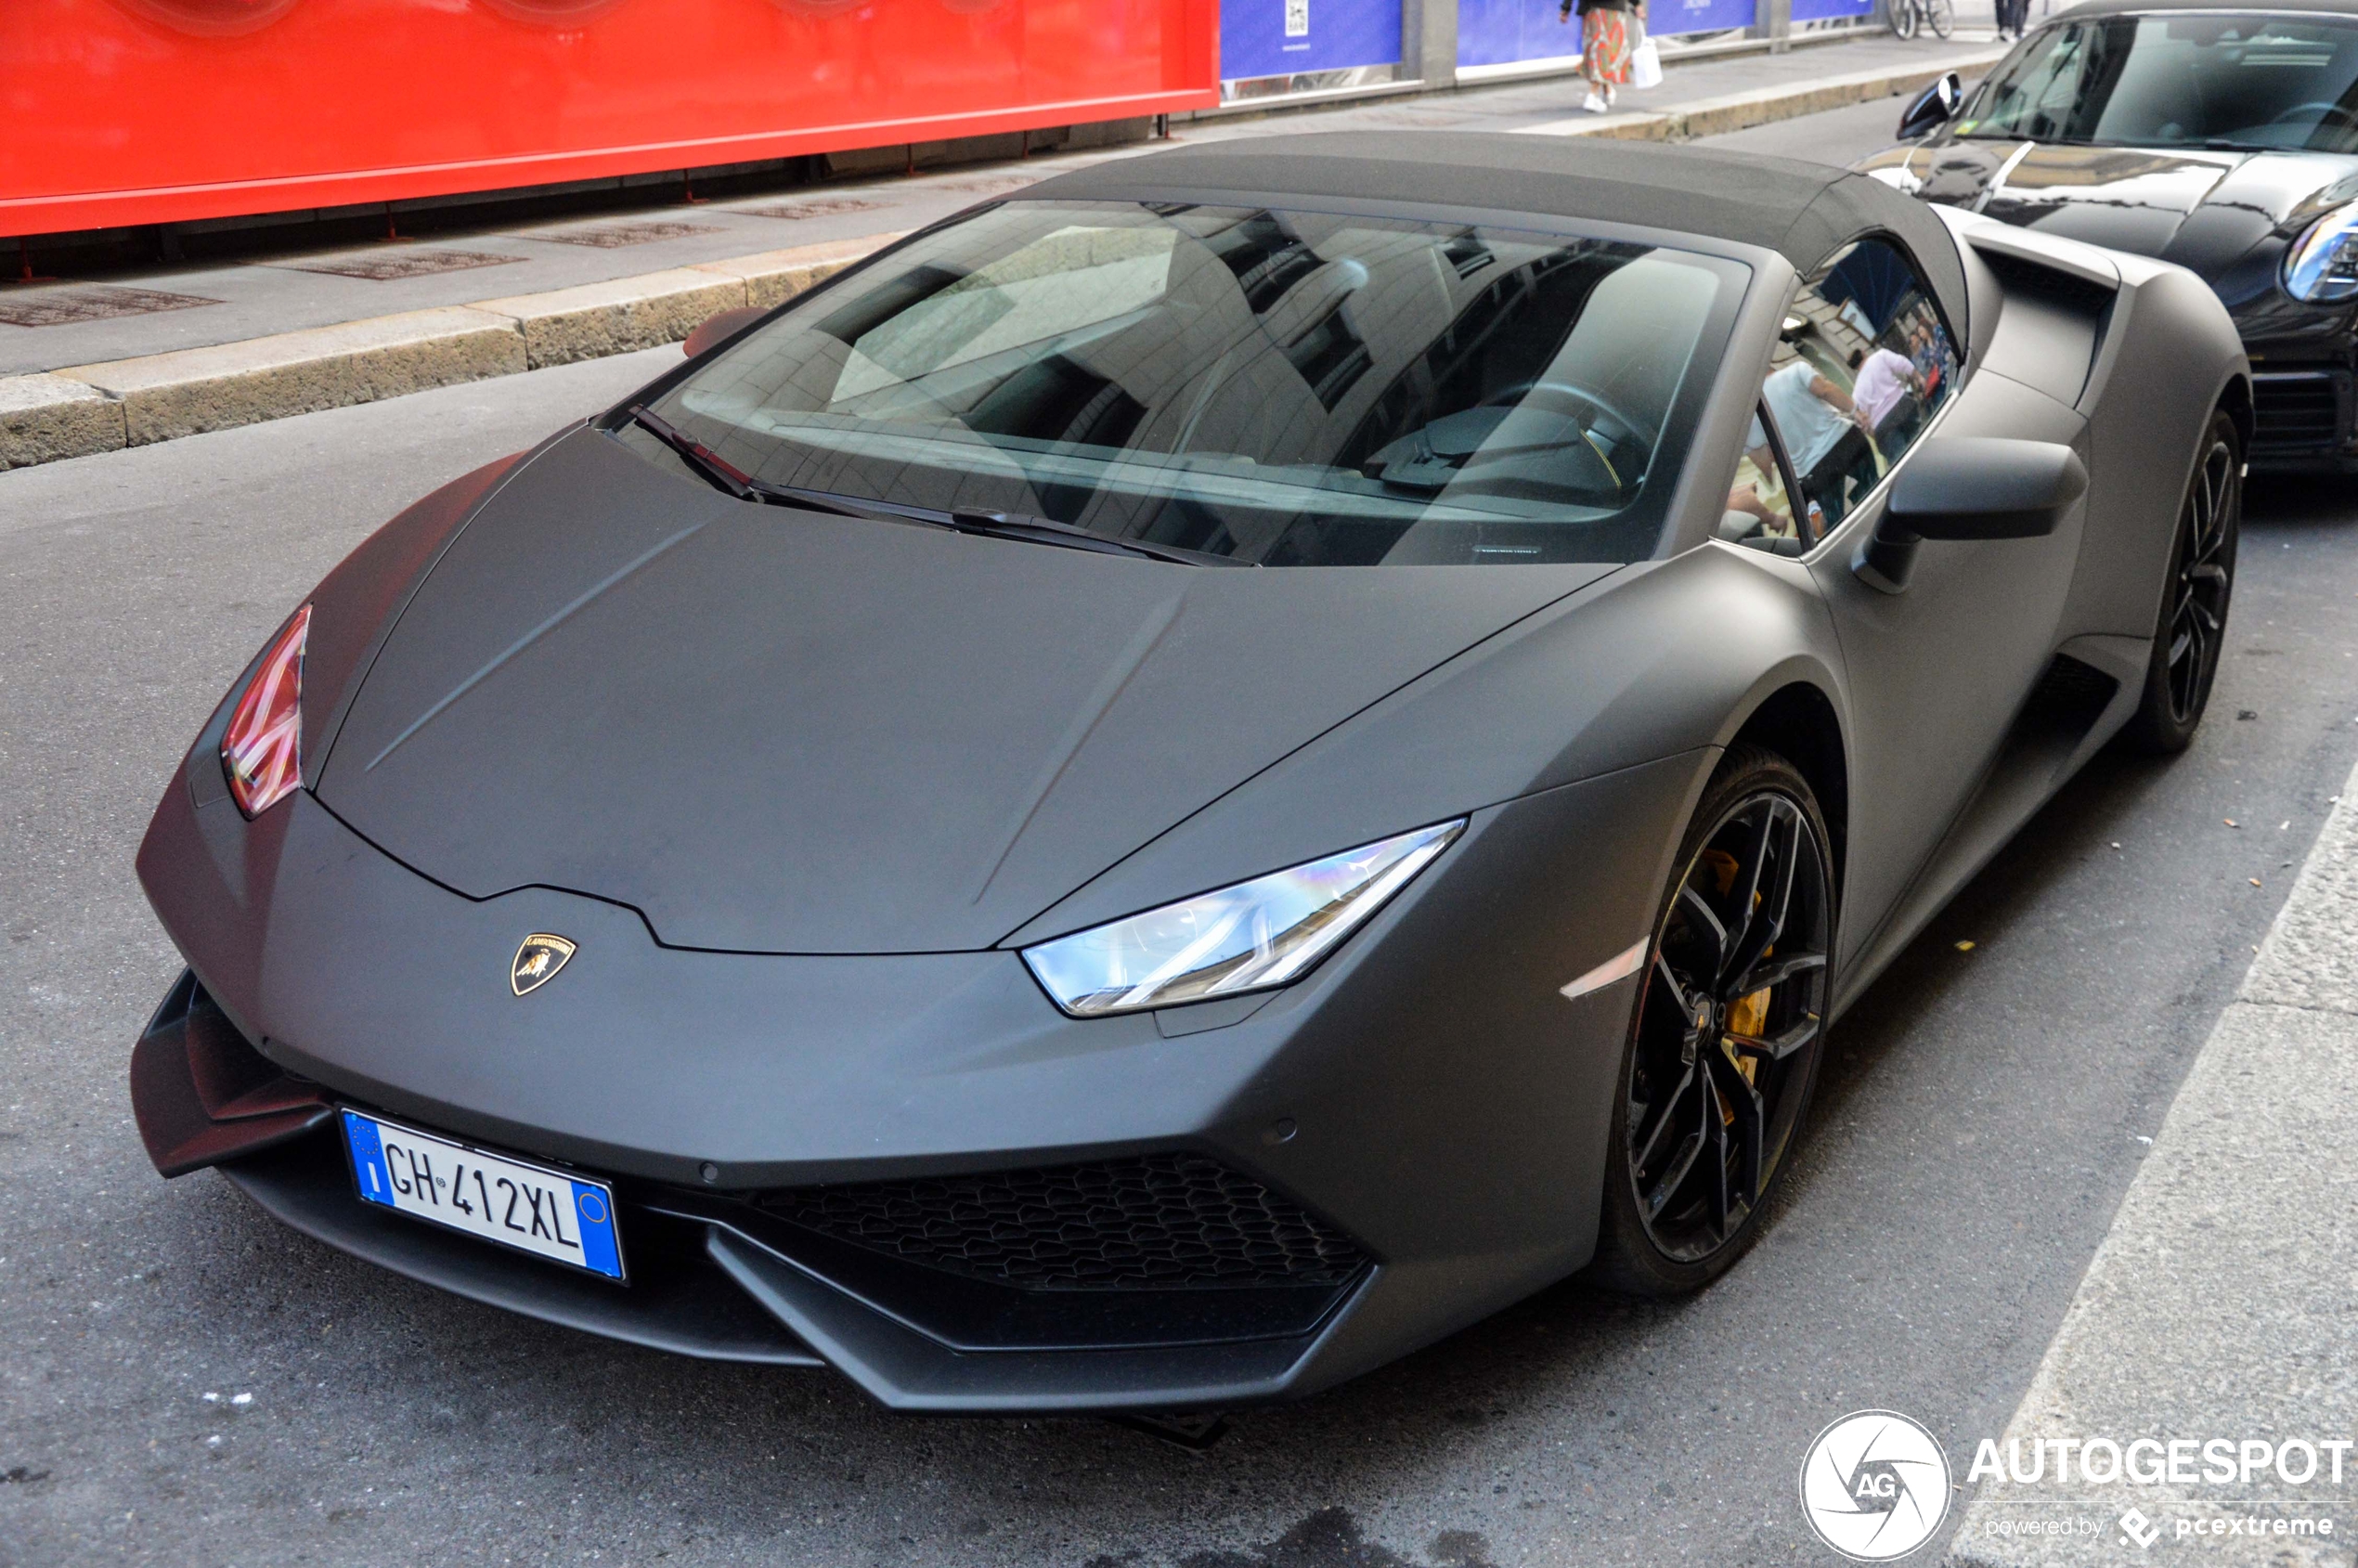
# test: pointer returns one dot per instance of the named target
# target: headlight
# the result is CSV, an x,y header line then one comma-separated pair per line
x,y
1251,937
262,749
2323,264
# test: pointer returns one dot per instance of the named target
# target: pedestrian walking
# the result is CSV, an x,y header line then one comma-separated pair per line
x,y
2013,15
1606,41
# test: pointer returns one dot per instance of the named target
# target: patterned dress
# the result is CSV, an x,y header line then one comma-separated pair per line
x,y
1604,38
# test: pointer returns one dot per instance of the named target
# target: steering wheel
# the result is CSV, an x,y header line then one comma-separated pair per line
x,y
2325,111
1535,390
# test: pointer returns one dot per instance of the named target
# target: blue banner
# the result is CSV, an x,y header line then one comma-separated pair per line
x,y
1501,32
1826,10
1504,32
1281,37
1667,16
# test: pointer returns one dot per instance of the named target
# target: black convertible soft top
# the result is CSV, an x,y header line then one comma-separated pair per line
x,y
1803,211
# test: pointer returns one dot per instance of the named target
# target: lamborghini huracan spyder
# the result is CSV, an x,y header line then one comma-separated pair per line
x,y
1182,783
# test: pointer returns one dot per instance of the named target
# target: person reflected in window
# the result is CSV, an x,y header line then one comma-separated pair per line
x,y
1746,514
1929,349
1825,435
1887,390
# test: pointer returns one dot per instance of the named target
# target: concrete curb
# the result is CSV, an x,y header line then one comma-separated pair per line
x,y
48,417
189,391
1741,112
91,409
2217,1306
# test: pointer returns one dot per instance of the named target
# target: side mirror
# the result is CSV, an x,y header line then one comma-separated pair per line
x,y
1970,487
1933,108
725,325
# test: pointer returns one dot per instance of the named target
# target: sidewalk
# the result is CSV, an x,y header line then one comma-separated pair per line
x,y
2223,1304
174,350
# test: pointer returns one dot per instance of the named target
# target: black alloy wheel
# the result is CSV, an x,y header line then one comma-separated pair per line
x,y
2192,627
1727,1035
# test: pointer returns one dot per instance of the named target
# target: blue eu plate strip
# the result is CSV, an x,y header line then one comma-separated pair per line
x,y
596,1214
369,1159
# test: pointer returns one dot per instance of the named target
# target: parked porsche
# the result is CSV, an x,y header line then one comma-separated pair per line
x,y
1183,783
2220,137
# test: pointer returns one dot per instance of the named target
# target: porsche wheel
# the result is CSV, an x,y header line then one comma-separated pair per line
x,y
1726,1035
2192,625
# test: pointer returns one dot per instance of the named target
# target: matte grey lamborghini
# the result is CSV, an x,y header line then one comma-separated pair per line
x,y
1181,784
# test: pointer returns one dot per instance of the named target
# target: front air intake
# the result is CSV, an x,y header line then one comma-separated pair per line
x,y
1157,1222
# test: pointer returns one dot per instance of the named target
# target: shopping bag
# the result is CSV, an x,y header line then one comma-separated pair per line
x,y
1645,65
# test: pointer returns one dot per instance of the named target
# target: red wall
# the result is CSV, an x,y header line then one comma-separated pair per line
x,y
128,112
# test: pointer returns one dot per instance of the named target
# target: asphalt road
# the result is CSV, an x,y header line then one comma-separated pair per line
x,y
186,1382
1839,136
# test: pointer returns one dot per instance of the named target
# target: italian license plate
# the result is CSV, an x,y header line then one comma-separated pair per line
x,y
548,1213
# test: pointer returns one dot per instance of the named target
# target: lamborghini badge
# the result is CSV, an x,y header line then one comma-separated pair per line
x,y
538,961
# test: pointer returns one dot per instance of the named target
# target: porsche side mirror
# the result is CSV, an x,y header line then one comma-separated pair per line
x,y
712,329
1970,487
1933,108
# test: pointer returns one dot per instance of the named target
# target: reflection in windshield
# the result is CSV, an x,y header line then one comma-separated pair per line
x,y
2221,80
1283,387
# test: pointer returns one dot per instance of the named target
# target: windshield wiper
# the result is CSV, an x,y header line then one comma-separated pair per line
x,y
988,524
724,473
745,487
1047,530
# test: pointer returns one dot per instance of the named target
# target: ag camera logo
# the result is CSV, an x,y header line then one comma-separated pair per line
x,y
1874,1486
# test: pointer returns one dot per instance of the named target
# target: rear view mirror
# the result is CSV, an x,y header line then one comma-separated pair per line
x,y
1970,488
1933,108
713,328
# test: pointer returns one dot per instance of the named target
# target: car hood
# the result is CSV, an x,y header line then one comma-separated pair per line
x,y
2200,209
776,731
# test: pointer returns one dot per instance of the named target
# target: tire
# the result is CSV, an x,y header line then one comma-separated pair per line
x,y
2191,626
1942,14
1699,1140
1903,19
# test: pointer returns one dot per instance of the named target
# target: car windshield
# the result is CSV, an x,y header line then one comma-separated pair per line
x,y
1276,388
2226,80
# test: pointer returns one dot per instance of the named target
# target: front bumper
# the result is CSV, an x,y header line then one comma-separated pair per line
x,y
2302,404
1427,1094
2303,421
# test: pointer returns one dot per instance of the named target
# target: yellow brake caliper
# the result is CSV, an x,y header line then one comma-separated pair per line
x,y
1749,1015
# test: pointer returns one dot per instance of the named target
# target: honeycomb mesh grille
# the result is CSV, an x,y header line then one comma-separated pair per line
x,y
1157,1222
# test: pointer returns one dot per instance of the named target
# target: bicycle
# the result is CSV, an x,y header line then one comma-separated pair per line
x,y
1907,16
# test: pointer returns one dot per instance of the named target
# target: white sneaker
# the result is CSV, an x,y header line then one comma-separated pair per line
x,y
1611,96
1593,104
